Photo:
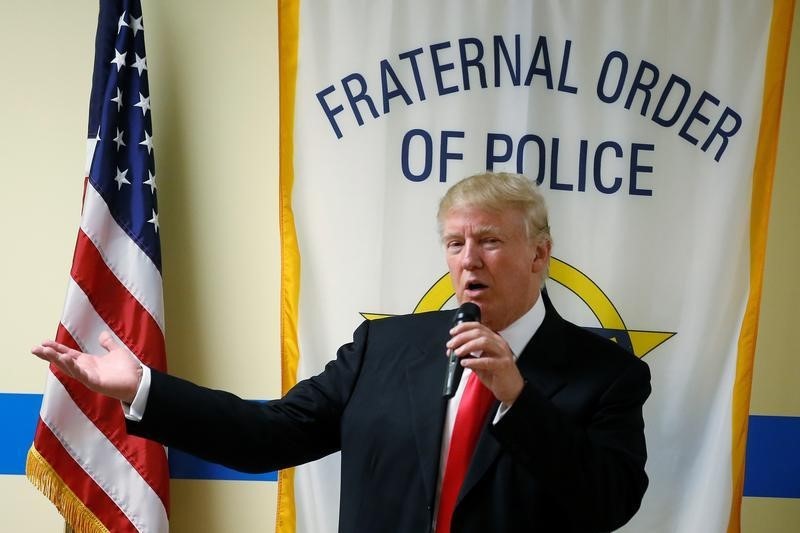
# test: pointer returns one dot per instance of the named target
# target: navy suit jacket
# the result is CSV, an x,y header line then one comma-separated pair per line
x,y
568,456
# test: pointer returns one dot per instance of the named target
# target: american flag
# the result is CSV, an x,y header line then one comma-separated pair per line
x,y
98,477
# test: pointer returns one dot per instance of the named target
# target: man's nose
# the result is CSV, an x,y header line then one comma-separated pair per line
x,y
471,256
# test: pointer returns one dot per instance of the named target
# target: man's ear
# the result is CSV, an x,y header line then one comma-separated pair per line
x,y
542,256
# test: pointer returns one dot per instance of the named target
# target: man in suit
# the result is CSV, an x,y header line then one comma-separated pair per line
x,y
559,444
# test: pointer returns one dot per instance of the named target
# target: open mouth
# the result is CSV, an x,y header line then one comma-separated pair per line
x,y
476,286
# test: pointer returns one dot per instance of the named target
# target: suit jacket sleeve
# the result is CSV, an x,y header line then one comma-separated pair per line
x,y
254,436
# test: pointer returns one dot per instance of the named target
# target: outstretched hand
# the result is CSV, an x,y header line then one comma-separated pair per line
x,y
116,373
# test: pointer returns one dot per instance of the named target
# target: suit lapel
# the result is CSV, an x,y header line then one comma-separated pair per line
x,y
424,377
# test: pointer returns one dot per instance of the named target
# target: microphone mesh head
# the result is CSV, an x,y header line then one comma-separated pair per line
x,y
468,312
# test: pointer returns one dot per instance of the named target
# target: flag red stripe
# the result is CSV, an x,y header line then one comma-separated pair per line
x,y
146,456
116,306
79,482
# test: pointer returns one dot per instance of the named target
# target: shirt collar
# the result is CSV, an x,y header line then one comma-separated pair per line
x,y
522,330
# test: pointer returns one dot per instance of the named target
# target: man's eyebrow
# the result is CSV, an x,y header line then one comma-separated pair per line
x,y
480,231
487,230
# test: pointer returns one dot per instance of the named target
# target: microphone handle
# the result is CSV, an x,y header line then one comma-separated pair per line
x,y
454,371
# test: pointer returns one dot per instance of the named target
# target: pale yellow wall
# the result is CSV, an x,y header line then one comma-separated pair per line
x,y
213,79
45,57
776,383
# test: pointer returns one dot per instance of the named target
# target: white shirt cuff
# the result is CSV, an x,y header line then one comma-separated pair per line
x,y
501,411
134,411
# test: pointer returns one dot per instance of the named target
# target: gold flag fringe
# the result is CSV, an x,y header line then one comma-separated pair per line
x,y
47,480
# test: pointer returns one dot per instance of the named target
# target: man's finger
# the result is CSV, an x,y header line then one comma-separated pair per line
x,y
107,341
39,352
51,344
478,363
57,347
49,353
466,326
478,347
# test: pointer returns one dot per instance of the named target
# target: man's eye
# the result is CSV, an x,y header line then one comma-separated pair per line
x,y
454,245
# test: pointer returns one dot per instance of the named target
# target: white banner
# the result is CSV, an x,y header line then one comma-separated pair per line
x,y
640,120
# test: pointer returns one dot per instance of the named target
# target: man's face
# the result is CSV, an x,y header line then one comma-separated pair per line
x,y
492,263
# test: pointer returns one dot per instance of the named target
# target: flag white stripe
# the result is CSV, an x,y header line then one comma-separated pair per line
x,y
132,267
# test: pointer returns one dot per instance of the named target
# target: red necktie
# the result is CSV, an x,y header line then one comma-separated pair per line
x,y
470,417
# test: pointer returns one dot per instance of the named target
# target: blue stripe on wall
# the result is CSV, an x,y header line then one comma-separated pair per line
x,y
773,451
18,416
185,466
773,457
20,412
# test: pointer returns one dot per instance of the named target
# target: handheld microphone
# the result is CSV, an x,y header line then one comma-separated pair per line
x,y
468,312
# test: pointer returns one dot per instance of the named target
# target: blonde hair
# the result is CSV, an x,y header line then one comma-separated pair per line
x,y
498,192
